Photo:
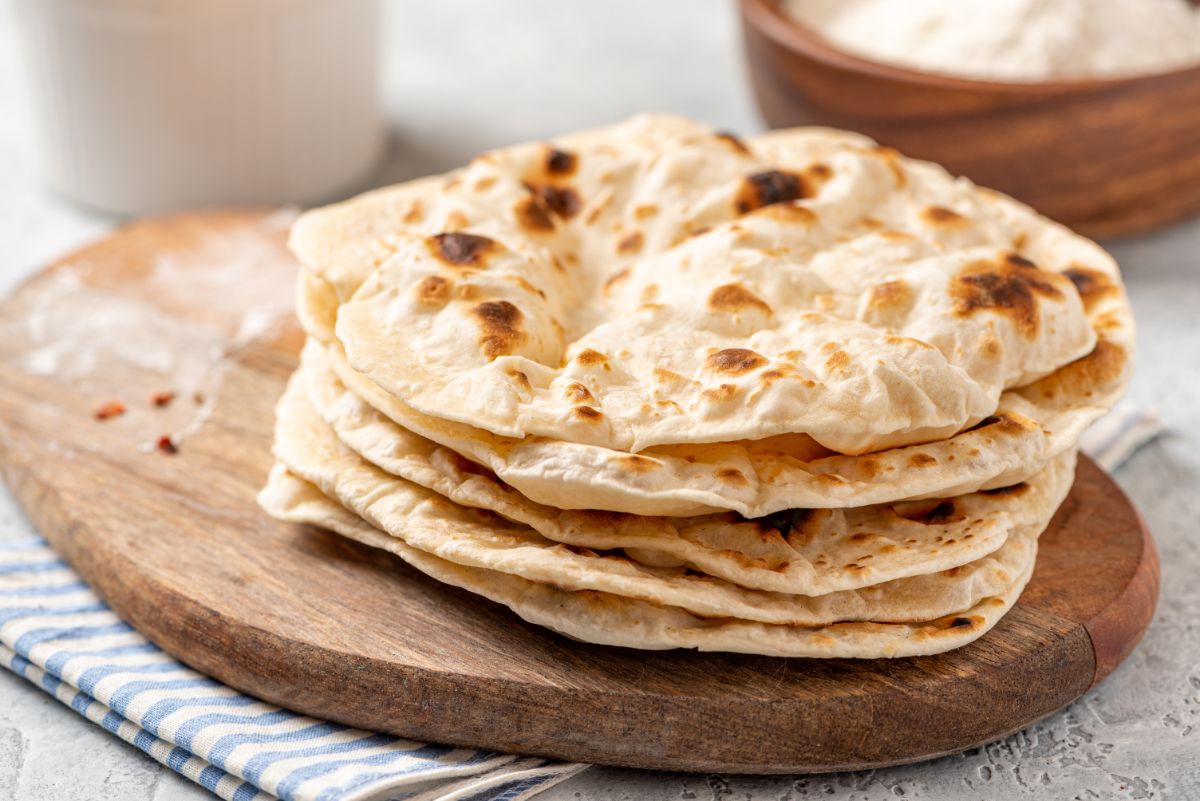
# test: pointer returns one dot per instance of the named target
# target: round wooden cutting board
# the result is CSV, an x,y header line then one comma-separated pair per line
x,y
198,306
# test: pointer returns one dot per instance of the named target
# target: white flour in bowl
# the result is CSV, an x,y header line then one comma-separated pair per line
x,y
1012,40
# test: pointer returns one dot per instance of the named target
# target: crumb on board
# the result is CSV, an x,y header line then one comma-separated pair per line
x,y
163,398
109,409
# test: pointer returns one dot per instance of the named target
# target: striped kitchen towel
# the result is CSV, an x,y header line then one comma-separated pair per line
x,y
57,634
62,638
1113,438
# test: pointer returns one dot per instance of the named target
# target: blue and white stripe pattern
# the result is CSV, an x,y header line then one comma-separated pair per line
x,y
57,634
1113,438
62,638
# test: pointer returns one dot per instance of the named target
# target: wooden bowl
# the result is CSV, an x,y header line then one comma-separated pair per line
x,y
1106,157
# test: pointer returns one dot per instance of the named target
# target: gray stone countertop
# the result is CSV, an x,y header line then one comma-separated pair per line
x,y
470,74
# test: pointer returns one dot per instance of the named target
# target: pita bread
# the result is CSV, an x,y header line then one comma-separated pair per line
x,y
1031,428
807,552
785,315
612,620
1028,426
478,539
658,387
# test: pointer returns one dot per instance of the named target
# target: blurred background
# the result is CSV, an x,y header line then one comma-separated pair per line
x,y
457,78
127,107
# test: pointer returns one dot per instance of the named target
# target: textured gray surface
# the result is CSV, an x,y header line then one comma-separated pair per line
x,y
467,75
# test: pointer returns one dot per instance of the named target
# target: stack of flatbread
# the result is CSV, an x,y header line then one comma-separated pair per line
x,y
659,387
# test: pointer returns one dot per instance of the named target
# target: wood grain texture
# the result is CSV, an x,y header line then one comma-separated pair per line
x,y
1106,157
308,620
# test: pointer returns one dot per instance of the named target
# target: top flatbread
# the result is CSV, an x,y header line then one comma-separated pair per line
x,y
656,284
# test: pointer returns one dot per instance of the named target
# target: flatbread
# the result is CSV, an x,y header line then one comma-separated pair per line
x,y
479,539
782,314
658,387
806,552
1031,428
612,620
1025,429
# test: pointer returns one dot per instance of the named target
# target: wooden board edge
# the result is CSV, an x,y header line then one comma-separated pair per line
x,y
1120,626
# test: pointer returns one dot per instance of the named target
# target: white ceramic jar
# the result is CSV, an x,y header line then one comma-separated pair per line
x,y
145,106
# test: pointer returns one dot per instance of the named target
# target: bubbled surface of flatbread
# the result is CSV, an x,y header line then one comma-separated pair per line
x,y
809,552
1031,427
609,619
657,284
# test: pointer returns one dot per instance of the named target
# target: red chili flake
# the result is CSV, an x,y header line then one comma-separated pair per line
x,y
110,409
161,399
167,445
